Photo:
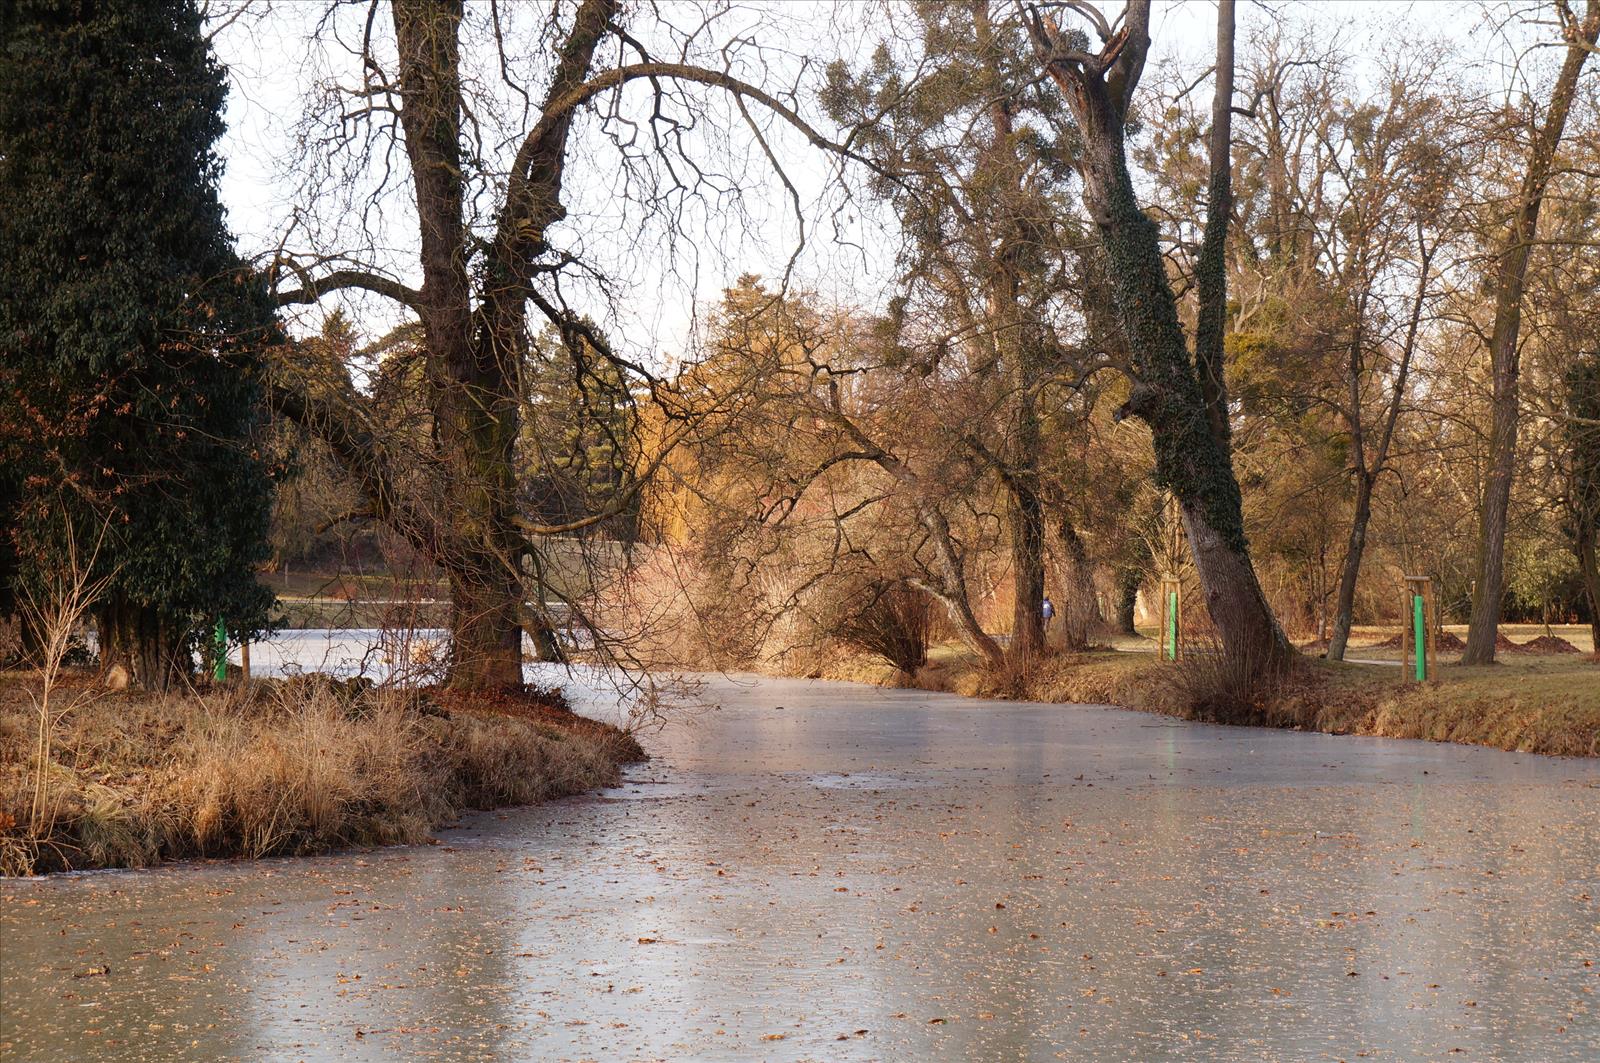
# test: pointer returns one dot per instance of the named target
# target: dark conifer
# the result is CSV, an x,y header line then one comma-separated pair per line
x,y
131,332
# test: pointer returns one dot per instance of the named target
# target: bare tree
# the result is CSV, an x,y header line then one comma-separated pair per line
x,y
1504,350
478,283
815,456
55,609
979,150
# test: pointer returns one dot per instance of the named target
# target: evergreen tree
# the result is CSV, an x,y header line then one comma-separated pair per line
x,y
131,333
578,435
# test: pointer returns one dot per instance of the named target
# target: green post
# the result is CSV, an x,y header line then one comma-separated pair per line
x,y
1172,625
220,673
1419,629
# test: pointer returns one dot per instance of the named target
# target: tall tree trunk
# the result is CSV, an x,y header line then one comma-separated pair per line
x,y
1504,351
1027,512
1344,607
472,380
1584,545
950,587
1017,353
1167,395
1211,266
1027,566
1367,474
1078,611
1128,582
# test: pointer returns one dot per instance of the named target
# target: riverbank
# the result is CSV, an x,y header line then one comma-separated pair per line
x,y
1547,705
274,768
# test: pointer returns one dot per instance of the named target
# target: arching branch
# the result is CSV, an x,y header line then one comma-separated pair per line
x,y
312,289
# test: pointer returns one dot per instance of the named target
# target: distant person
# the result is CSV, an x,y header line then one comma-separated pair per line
x,y
1048,611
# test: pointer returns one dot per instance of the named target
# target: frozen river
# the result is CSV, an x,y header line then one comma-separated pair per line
x,y
831,872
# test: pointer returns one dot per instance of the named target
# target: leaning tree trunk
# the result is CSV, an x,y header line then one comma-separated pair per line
x,y
1191,460
1504,353
1192,457
949,587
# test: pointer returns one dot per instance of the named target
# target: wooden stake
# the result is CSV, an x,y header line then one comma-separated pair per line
x,y
1171,615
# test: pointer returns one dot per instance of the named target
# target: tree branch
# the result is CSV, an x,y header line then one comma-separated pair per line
x,y
311,290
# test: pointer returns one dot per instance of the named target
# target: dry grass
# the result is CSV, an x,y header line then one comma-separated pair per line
x,y
1545,705
276,769
1549,705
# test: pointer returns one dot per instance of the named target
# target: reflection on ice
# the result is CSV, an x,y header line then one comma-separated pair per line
x,y
381,656
419,656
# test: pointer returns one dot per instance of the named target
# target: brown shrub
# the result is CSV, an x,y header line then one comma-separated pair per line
x,y
890,620
1208,683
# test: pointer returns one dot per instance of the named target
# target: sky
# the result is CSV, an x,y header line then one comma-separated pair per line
x,y
663,274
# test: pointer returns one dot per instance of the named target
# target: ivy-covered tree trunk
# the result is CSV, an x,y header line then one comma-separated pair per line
x,y
1192,458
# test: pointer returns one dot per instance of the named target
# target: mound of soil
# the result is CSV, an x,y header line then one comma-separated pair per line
x,y
1549,644
1502,644
1443,641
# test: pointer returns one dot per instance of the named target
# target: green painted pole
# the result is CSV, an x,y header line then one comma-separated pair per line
x,y
220,673
1419,628
1172,625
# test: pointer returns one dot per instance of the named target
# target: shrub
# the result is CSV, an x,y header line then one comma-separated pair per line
x,y
888,619
1211,684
